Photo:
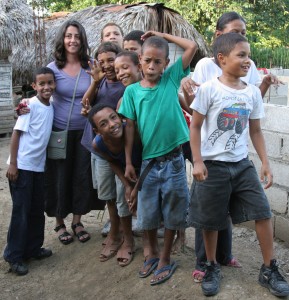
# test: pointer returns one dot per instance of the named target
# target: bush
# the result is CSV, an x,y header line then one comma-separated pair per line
x,y
270,58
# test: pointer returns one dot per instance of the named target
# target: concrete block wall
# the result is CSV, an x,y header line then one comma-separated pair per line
x,y
275,128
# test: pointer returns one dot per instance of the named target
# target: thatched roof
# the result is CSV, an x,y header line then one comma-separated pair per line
x,y
129,17
16,25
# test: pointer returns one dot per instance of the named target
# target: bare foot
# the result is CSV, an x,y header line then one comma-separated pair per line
x,y
179,242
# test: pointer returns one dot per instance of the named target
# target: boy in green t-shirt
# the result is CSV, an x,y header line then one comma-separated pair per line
x,y
153,103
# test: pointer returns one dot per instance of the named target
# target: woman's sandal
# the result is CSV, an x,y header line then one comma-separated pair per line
x,y
65,238
81,233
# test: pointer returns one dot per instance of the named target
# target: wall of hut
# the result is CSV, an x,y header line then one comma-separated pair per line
x,y
6,103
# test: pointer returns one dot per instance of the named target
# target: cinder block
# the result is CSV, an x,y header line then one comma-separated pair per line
x,y
277,90
282,228
279,169
251,224
278,199
276,118
273,144
285,147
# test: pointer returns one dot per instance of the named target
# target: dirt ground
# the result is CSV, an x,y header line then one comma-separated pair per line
x,y
75,272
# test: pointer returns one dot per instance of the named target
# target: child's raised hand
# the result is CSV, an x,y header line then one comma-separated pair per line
x,y
189,86
130,173
85,107
200,171
95,71
266,176
151,33
12,173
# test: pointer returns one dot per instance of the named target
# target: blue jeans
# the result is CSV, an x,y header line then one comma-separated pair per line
x,y
26,231
164,195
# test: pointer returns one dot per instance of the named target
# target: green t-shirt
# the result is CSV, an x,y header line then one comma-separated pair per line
x,y
158,113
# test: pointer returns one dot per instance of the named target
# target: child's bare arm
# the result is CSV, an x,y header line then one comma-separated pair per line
x,y
260,147
267,81
200,172
12,172
129,139
97,75
190,47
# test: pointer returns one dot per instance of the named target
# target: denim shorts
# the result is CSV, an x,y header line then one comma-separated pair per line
x,y
108,184
231,187
164,195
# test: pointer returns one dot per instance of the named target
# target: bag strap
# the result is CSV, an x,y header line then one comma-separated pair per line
x,y
73,98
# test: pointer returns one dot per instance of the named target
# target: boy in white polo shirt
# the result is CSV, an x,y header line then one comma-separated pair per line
x,y
26,176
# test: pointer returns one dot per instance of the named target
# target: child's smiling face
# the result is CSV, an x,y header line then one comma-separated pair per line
x,y
106,62
237,63
126,70
45,86
108,123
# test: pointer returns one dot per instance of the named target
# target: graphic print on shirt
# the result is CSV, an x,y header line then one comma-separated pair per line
x,y
235,118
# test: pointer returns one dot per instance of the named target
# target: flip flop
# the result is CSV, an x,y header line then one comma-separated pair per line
x,y
198,276
153,262
171,268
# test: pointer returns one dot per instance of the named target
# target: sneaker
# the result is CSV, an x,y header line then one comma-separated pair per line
x,y
270,278
18,268
43,253
211,279
106,228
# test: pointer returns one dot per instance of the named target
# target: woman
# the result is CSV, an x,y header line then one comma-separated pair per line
x,y
68,185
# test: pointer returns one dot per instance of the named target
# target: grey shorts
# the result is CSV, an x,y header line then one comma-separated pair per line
x,y
231,188
109,186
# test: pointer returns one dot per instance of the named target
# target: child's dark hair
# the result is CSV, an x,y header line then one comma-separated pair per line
x,y
107,47
156,42
110,24
135,35
42,70
227,18
59,52
225,43
131,54
95,109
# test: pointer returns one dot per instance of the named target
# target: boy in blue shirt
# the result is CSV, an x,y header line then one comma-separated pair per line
x,y
26,176
153,103
226,110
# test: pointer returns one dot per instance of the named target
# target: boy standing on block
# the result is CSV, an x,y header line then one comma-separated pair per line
x,y
26,176
153,103
226,110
